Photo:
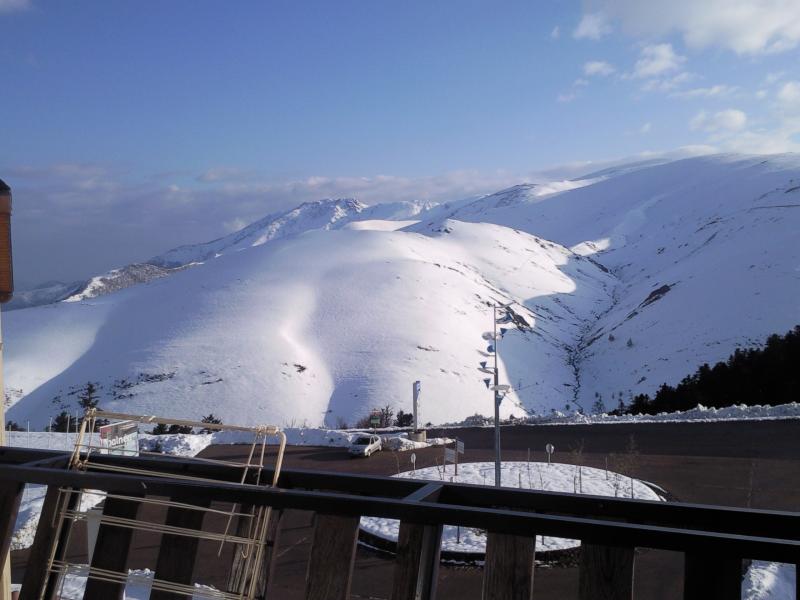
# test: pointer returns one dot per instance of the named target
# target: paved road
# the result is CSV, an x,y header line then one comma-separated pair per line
x,y
753,464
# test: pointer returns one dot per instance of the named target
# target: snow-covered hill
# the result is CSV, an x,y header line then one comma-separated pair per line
x,y
319,327
329,310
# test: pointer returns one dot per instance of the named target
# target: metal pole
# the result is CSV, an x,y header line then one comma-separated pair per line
x,y
497,462
5,560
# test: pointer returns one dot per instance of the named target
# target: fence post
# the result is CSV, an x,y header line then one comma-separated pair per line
x,y
177,553
606,573
508,570
38,582
111,550
333,552
416,566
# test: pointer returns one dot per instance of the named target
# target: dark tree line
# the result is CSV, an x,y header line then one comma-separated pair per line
x,y
768,375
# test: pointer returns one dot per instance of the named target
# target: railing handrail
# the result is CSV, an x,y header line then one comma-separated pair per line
x,y
608,530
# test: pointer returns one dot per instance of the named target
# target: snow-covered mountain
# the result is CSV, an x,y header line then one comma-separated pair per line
x,y
309,216
621,282
705,252
100,285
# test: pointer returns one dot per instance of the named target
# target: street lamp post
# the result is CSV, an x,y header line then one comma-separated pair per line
x,y
497,399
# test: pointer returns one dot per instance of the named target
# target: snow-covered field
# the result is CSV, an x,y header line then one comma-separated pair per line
x,y
555,477
628,278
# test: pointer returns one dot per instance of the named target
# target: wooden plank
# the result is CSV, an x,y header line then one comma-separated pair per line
x,y
508,570
178,553
606,573
37,583
111,550
236,577
416,567
333,552
707,577
10,496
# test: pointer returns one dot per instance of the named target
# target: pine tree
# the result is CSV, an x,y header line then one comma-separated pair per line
x,y
88,398
403,419
210,418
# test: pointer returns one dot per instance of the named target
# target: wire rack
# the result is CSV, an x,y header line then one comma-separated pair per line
x,y
250,541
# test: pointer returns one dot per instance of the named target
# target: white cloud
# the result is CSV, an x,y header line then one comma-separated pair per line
x,y
580,81
656,60
666,84
555,33
713,91
598,67
13,5
592,26
646,128
788,97
725,120
761,94
773,77
566,97
742,26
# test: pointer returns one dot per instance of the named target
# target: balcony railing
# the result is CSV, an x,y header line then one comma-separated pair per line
x,y
715,540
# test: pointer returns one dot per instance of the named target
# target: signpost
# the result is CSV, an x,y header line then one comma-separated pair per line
x,y
375,419
451,454
414,463
417,387
549,448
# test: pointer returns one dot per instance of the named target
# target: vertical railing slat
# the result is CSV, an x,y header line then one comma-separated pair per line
x,y
508,570
178,553
38,582
236,574
10,497
111,550
606,573
416,567
333,553
712,578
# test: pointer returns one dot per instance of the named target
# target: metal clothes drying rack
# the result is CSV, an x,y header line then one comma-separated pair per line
x,y
250,543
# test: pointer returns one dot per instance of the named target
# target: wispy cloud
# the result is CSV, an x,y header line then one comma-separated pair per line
x,y
592,26
742,26
598,68
7,6
714,91
656,60
725,120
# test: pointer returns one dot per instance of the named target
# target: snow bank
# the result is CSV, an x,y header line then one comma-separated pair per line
x,y
700,413
137,587
769,581
554,477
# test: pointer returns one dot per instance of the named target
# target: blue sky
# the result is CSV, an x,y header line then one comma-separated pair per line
x,y
131,127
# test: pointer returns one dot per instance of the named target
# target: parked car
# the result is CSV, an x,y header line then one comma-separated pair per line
x,y
365,445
